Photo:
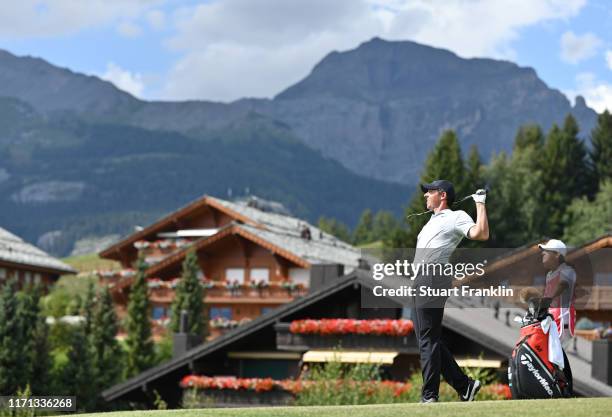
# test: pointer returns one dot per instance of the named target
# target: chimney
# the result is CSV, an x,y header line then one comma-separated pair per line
x,y
183,341
323,274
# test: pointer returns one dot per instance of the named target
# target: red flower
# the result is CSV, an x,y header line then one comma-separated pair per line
x,y
351,326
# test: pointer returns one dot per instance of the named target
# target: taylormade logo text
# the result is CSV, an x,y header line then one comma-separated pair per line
x,y
527,361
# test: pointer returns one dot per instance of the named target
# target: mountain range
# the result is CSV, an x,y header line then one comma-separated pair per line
x,y
81,158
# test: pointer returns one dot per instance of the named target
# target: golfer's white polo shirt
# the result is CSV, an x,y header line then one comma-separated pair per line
x,y
441,235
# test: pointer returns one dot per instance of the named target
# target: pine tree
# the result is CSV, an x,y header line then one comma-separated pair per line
x,y
601,152
334,228
139,343
189,296
363,230
77,375
384,224
41,358
529,136
34,343
11,351
88,308
444,162
565,173
107,358
586,219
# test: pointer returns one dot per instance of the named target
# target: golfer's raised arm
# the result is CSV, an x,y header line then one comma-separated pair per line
x,y
480,231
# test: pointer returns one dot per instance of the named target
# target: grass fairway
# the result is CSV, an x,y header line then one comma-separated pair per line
x,y
577,407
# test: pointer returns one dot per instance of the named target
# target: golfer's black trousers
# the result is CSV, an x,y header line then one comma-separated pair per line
x,y
435,356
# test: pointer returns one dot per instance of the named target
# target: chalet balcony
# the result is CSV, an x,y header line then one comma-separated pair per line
x,y
220,292
302,342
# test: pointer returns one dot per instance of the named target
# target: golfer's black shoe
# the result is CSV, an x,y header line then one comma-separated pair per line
x,y
471,391
429,400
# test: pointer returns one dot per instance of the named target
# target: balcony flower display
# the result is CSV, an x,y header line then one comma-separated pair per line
x,y
352,326
259,284
208,283
142,244
291,286
233,285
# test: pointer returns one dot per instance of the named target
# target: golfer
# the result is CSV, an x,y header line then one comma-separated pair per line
x,y
435,244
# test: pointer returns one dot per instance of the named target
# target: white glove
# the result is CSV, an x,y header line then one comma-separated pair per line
x,y
480,196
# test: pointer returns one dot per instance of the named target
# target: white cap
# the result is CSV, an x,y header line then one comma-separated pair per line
x,y
554,245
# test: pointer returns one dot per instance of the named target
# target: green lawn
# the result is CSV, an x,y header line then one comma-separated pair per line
x,y
577,407
89,262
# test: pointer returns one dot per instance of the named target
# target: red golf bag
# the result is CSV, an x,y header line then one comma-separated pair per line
x,y
530,373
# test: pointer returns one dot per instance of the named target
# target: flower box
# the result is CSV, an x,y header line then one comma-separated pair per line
x,y
286,340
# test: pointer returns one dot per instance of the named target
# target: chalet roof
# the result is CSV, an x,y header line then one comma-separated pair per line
x,y
320,248
13,249
468,321
281,228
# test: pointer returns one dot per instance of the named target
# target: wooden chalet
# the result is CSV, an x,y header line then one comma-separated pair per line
x,y
252,257
27,264
266,347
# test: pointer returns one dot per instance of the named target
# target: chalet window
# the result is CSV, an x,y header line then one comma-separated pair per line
x,y
157,312
234,274
300,276
2,273
220,312
260,274
37,278
265,310
27,279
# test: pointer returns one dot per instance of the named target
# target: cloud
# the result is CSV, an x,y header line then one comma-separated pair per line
x,y
609,59
124,79
597,93
156,19
576,48
44,18
236,48
129,30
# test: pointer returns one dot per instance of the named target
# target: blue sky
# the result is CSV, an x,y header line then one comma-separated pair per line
x,y
223,50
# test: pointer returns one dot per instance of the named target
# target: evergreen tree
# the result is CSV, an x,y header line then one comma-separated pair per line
x,y
40,354
88,308
335,228
505,231
363,230
565,173
529,136
33,340
138,342
107,358
601,152
586,219
189,296
11,351
384,224
444,162
77,375
27,313
473,172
